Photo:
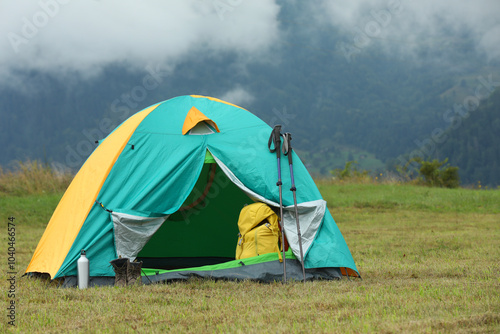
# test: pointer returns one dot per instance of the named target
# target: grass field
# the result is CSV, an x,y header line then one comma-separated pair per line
x,y
429,258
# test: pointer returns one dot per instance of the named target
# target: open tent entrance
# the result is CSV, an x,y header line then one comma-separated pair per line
x,y
204,231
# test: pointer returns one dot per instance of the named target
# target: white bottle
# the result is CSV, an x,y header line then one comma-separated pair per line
x,y
83,271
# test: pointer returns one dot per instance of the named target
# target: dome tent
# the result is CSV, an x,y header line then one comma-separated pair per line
x,y
167,186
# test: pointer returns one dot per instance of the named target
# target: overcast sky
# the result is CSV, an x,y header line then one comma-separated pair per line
x,y
68,36
84,36
408,25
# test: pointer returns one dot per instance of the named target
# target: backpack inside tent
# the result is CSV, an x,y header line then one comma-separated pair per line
x,y
167,186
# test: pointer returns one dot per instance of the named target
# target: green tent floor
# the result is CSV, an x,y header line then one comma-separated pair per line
x,y
226,265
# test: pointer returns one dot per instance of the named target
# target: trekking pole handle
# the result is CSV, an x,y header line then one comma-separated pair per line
x,y
275,139
287,150
287,146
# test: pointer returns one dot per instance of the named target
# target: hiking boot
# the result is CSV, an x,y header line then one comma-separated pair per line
x,y
120,267
134,273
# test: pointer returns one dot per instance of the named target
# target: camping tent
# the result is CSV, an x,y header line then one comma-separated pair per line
x,y
167,186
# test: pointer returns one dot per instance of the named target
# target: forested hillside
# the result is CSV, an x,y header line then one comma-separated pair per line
x,y
375,105
371,108
474,144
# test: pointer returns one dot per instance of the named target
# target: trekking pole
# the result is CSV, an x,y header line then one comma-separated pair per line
x,y
287,150
276,139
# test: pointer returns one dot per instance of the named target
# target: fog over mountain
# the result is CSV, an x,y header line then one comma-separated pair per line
x,y
81,37
408,27
366,78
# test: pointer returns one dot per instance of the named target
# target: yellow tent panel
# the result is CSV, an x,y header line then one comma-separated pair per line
x,y
194,117
69,215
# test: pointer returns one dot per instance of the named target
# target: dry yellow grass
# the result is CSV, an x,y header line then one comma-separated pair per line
x,y
428,257
33,177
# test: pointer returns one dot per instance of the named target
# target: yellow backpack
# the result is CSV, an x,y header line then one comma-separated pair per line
x,y
259,231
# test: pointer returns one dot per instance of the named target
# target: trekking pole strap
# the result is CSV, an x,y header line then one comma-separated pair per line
x,y
287,146
275,139
287,150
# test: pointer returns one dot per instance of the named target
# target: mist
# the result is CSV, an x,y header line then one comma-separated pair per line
x,y
82,37
410,28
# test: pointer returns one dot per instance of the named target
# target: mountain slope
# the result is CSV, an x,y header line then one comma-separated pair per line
x,y
474,145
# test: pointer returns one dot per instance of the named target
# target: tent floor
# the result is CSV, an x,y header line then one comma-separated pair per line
x,y
173,263
265,272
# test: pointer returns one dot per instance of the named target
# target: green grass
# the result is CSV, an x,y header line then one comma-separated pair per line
x,y
392,196
429,259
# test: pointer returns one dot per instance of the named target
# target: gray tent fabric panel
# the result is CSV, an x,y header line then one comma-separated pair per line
x,y
265,272
201,129
237,182
133,232
261,272
310,217
310,214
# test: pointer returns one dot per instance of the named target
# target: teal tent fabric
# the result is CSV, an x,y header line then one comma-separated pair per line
x,y
159,167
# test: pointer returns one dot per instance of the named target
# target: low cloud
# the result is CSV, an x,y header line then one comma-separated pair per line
x,y
409,26
56,36
490,42
238,96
